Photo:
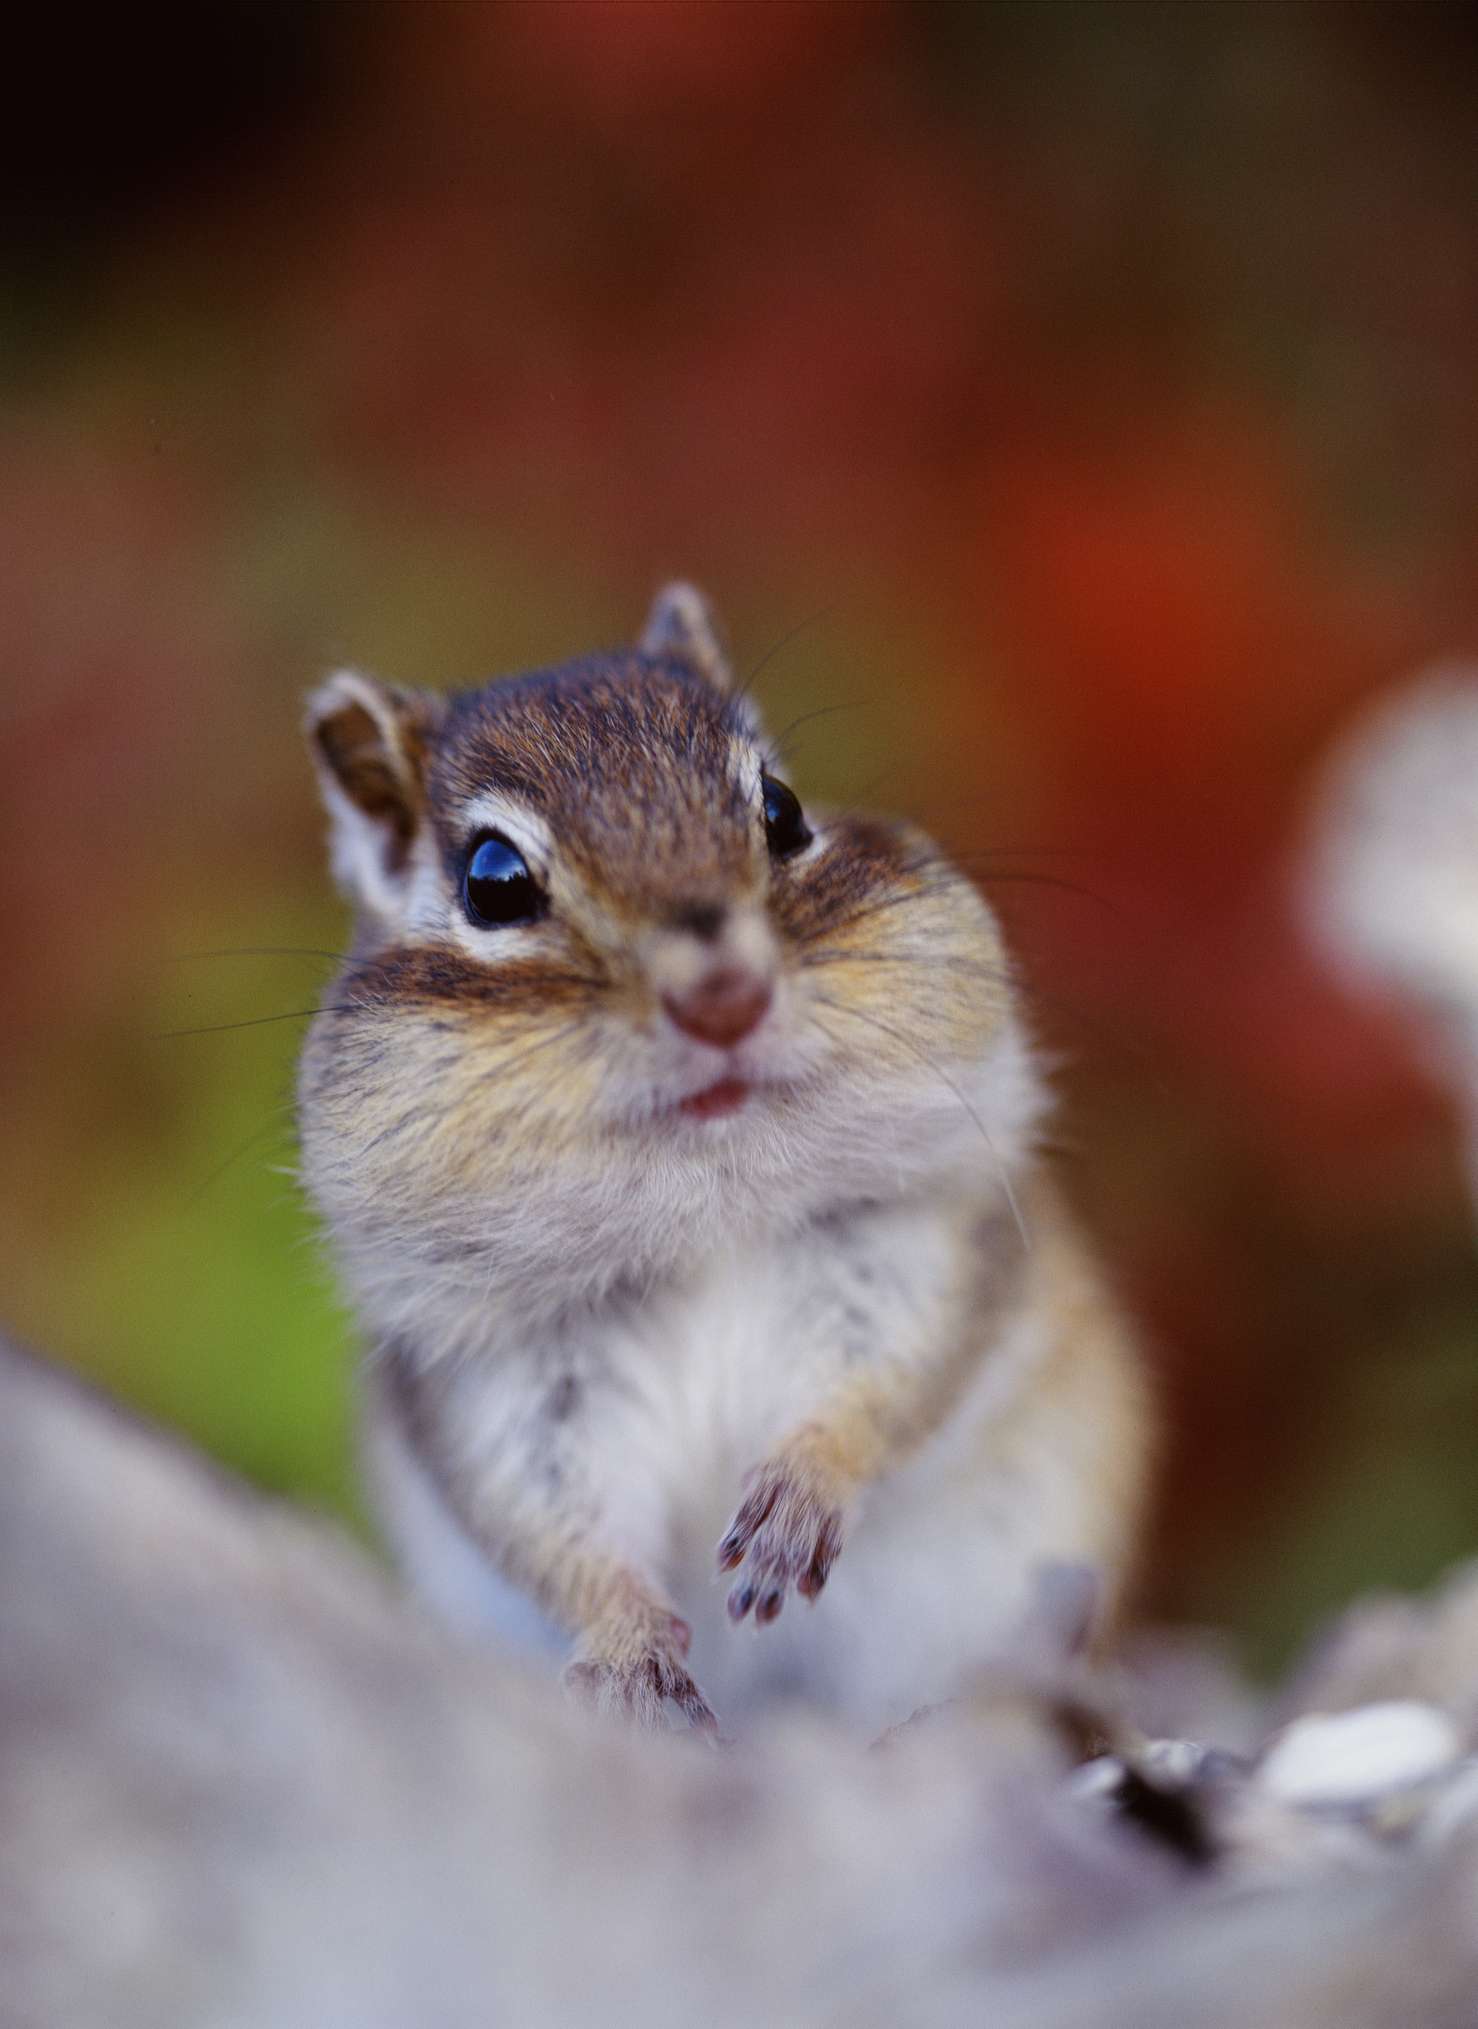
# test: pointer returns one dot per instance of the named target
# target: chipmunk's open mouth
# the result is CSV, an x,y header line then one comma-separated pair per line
x,y
727,1096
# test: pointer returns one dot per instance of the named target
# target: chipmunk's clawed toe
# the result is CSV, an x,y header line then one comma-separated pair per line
x,y
788,1531
638,1689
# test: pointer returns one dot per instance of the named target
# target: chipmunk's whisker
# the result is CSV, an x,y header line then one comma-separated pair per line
x,y
741,690
934,884
254,951
909,959
1003,976
779,748
272,1125
1023,878
297,1014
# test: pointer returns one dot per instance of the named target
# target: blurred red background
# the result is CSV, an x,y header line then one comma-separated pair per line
x,y
1075,403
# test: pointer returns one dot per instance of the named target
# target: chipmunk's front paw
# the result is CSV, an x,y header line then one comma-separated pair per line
x,y
787,1532
635,1678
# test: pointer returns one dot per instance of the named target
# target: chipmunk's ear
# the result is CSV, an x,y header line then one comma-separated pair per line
x,y
681,624
370,746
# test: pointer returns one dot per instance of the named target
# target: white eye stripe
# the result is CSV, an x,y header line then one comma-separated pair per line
x,y
751,773
515,822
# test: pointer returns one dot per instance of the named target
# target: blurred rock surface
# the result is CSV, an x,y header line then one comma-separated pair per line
x,y
242,1782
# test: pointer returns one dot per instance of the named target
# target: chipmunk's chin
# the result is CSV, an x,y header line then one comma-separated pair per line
x,y
714,1101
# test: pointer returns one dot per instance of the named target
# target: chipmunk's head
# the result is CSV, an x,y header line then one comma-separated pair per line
x,y
613,991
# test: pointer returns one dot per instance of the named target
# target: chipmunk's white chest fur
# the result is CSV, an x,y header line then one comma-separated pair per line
x,y
673,1397
704,1377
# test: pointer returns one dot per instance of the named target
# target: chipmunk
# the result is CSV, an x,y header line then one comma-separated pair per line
x,y
677,1148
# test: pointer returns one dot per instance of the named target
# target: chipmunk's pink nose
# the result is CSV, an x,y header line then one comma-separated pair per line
x,y
723,1007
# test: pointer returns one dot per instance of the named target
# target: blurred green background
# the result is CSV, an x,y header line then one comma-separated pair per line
x,y
1076,403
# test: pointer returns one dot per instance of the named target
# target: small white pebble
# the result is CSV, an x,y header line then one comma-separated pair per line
x,y
1096,1779
1171,1763
1354,1757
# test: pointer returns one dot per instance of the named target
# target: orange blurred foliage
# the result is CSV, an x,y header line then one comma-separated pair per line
x,y
1118,361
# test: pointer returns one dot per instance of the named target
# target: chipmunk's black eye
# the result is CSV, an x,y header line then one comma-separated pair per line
x,y
498,887
786,829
